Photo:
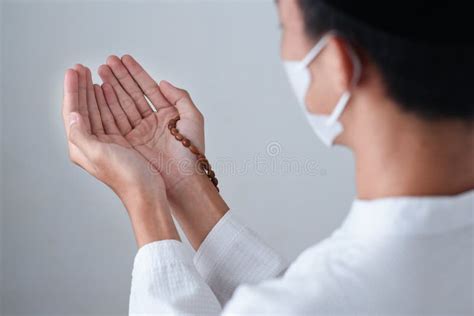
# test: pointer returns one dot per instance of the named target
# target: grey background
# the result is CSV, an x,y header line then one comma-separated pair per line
x,y
67,246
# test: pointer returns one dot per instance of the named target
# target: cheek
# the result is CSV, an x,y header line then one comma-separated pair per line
x,y
284,46
294,45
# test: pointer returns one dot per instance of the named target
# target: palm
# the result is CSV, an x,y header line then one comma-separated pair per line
x,y
153,140
96,143
121,156
146,130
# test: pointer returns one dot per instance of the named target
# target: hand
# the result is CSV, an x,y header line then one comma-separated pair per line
x,y
195,202
96,145
146,130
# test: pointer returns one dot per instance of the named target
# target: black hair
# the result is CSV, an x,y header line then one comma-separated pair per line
x,y
432,80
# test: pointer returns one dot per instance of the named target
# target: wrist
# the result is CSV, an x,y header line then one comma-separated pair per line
x,y
194,190
150,216
198,206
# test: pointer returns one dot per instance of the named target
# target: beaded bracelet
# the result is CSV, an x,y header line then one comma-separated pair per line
x,y
202,162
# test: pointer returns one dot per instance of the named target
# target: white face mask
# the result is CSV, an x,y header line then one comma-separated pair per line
x,y
327,127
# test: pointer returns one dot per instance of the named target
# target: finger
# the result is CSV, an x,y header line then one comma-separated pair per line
x,y
71,104
126,102
80,137
108,120
118,113
94,114
146,83
130,86
82,108
71,96
180,99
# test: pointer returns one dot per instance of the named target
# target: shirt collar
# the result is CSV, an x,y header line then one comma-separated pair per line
x,y
410,215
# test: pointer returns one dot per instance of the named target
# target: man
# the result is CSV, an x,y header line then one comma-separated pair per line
x,y
390,82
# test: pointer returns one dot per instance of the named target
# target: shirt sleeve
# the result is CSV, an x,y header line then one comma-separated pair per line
x,y
166,282
232,255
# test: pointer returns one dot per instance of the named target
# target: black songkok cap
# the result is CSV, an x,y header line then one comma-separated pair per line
x,y
435,22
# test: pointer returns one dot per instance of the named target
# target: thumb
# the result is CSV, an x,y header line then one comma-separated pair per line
x,y
179,98
78,134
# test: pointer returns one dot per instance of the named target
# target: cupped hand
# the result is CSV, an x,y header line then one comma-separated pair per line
x,y
96,144
126,84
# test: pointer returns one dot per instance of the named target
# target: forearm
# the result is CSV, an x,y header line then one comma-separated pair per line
x,y
151,219
197,206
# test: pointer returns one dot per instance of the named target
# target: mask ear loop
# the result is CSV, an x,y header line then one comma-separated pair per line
x,y
341,104
316,49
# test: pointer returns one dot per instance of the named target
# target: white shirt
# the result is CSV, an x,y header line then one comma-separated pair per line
x,y
397,256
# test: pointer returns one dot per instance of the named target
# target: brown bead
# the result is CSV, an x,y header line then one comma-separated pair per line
x,y
202,159
175,119
201,169
211,174
203,163
186,142
194,149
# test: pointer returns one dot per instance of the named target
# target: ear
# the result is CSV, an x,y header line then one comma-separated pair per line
x,y
338,56
331,73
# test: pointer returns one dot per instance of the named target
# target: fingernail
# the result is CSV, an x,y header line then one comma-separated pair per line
x,y
73,118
